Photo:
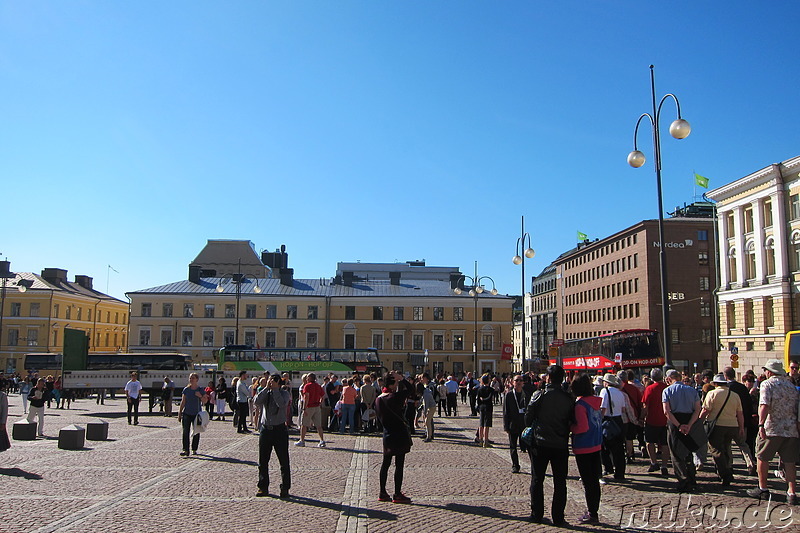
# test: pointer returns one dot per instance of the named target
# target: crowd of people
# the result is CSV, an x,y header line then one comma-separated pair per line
x,y
607,421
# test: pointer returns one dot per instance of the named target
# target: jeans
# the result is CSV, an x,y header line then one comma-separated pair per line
x,y
133,405
558,460
589,469
348,417
276,438
186,423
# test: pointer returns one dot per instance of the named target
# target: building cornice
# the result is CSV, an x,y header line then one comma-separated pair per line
x,y
760,177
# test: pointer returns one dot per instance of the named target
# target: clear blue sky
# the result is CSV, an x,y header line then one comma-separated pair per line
x,y
132,132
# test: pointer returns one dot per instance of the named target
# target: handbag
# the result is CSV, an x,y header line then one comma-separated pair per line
x,y
201,422
710,425
527,436
611,428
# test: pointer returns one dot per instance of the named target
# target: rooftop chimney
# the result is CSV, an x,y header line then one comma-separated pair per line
x,y
456,280
84,281
55,276
347,279
394,278
287,277
194,273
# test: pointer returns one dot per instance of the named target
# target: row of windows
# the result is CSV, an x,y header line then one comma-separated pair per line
x,y
614,290
34,310
312,312
32,338
675,337
544,286
543,303
617,312
398,340
768,314
602,251
606,269
766,210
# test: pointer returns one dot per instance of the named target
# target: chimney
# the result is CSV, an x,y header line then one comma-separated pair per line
x,y
456,280
287,277
56,276
84,281
394,278
5,269
194,273
347,279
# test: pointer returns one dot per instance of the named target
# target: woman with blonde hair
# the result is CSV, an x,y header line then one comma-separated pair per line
x,y
192,399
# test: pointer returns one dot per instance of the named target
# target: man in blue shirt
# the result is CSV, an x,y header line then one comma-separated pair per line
x,y
685,435
452,391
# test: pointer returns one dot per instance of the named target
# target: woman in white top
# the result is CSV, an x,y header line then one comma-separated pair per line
x,y
613,408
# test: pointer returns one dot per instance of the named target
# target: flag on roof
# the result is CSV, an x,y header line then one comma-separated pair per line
x,y
582,236
701,180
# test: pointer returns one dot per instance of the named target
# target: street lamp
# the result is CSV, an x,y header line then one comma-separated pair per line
x,y
679,129
475,291
520,260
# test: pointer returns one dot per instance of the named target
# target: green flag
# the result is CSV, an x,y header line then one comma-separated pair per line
x,y
582,237
700,180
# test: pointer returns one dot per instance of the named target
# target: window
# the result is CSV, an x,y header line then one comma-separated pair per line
x,y
33,337
769,312
751,260
397,366
377,312
147,309
704,283
144,337
438,313
702,235
458,368
35,310
186,337
676,336
458,341
166,310
732,264
748,219
16,309
731,313
313,312
349,341
311,339
487,314
702,258
487,342
250,338
398,341
749,346
416,341
705,336
350,312
769,252
166,337
377,341
188,310
705,308
767,213
749,314
55,311
228,337
438,341
418,313
272,311
794,200
458,314
291,312
230,310
269,339
399,313
250,311
208,311
13,337
208,337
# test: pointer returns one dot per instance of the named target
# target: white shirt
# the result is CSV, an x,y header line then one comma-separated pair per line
x,y
617,399
133,388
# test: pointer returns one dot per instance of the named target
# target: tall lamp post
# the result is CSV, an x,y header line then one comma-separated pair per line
x,y
679,129
237,280
520,260
475,291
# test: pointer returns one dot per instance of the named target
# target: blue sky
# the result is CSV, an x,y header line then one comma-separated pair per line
x,y
132,132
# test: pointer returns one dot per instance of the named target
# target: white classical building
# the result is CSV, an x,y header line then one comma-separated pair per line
x,y
758,236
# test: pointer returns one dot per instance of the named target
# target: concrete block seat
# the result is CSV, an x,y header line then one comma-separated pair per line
x,y
97,430
71,437
24,430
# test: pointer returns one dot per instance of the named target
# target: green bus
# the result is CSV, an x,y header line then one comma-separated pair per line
x,y
321,361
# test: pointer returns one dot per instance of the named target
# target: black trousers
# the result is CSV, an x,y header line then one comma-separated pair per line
x,y
589,469
513,443
472,403
244,414
133,406
186,424
558,460
452,404
276,439
383,475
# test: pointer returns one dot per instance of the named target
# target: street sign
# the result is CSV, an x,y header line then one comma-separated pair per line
x,y
734,350
734,357
557,342
618,357
735,364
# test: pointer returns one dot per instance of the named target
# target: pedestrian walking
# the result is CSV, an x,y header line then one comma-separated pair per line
x,y
684,433
36,397
273,435
452,396
655,422
192,399
514,420
429,394
221,391
587,440
747,414
484,402
722,411
242,402
312,394
133,388
614,433
389,407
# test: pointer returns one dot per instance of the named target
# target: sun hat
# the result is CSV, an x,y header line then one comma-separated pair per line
x,y
775,366
720,378
611,379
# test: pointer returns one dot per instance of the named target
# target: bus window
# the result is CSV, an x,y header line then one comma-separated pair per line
x,y
323,356
261,356
292,356
362,357
308,356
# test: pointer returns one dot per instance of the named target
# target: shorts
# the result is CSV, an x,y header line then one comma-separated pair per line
x,y
631,431
485,416
312,417
786,447
655,434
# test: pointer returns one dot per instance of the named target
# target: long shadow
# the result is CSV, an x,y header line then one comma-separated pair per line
x,y
231,460
17,472
476,510
350,511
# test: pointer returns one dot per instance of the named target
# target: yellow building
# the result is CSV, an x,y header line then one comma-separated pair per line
x,y
34,320
404,310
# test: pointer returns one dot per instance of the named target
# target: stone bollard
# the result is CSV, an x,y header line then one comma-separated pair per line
x,y
97,430
24,430
71,437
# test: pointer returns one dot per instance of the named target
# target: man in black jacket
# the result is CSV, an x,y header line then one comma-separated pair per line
x,y
514,419
551,412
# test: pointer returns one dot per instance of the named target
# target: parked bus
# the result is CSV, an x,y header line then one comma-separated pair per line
x,y
299,361
639,348
51,362
791,349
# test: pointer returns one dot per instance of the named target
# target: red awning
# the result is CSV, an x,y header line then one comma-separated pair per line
x,y
593,362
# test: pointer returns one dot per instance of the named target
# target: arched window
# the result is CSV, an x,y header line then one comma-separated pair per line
x,y
750,257
732,264
796,250
769,252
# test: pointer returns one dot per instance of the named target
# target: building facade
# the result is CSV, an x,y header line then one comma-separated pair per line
x,y
544,312
613,284
758,224
34,321
409,312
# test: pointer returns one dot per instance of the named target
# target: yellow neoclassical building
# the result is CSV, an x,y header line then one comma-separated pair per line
x,y
34,318
411,313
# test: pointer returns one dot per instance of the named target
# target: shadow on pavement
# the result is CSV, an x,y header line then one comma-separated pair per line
x,y
478,510
370,513
17,472
231,460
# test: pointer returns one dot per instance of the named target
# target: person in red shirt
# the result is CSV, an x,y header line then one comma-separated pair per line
x,y
655,422
635,396
312,415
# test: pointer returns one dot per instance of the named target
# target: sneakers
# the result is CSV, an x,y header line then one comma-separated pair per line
x,y
262,493
401,498
589,518
321,444
284,495
653,468
384,497
603,481
487,445
664,472
300,443
515,470
184,454
757,492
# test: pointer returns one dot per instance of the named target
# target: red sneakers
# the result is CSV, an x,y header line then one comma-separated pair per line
x,y
401,498
384,497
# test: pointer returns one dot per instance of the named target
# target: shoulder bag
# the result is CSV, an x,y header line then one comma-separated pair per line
x,y
710,425
611,427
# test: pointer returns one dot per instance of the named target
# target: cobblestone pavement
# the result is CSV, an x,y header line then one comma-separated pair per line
x,y
136,481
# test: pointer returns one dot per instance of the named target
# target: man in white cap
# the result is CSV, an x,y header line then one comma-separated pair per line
x,y
777,428
722,408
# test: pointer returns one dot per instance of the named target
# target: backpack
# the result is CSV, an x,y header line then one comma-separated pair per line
x,y
435,391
